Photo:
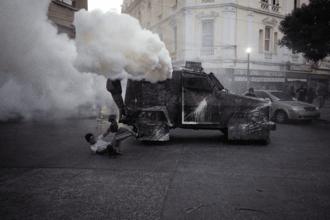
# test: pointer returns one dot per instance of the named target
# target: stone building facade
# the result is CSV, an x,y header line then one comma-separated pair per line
x,y
61,12
218,32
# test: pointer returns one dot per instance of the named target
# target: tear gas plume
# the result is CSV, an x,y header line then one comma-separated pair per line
x,y
116,45
38,78
39,68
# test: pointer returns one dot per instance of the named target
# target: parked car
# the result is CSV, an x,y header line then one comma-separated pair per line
x,y
284,107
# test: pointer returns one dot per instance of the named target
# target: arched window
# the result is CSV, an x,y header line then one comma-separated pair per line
x,y
208,37
275,42
268,32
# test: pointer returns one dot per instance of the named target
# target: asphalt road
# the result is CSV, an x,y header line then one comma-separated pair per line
x,y
47,172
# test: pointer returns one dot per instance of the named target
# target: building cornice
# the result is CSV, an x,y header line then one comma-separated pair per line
x,y
212,6
237,6
132,6
64,5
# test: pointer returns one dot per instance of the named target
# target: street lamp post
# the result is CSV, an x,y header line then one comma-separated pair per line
x,y
248,51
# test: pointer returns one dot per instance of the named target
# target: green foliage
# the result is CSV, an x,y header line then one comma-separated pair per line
x,y
307,30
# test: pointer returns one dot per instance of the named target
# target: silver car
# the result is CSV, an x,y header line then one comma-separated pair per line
x,y
284,107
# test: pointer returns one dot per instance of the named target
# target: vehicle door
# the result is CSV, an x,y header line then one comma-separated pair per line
x,y
199,105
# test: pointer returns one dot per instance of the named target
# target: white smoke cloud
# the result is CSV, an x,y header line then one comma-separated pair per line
x,y
38,78
115,45
39,68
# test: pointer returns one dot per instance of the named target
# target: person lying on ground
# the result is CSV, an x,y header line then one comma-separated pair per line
x,y
99,145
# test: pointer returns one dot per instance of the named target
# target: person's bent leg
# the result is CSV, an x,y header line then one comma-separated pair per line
x,y
112,151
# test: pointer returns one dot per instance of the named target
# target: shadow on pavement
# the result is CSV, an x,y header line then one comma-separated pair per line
x,y
214,139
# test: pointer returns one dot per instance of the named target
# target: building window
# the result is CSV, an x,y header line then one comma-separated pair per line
x,y
207,37
275,42
267,38
261,41
275,5
264,4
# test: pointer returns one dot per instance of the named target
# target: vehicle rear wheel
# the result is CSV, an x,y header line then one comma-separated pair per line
x,y
281,116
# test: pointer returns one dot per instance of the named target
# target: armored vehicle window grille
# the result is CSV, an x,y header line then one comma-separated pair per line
x,y
197,83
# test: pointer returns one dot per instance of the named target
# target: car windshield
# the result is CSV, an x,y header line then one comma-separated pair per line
x,y
282,96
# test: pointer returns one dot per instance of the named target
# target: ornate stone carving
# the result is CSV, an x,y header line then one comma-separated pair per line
x,y
206,15
229,9
270,21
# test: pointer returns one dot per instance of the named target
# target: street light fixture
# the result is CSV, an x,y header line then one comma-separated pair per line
x,y
248,51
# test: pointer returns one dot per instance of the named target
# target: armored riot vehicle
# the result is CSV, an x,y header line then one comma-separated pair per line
x,y
191,99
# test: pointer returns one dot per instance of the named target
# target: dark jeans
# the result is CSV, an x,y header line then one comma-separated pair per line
x,y
109,150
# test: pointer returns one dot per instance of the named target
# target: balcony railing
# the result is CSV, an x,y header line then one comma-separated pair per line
x,y
275,8
264,5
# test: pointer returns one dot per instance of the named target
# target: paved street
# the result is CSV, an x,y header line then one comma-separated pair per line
x,y
47,172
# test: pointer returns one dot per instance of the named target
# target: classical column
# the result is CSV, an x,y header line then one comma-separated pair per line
x,y
189,32
251,38
229,32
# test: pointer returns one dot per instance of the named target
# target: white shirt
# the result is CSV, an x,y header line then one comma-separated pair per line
x,y
100,145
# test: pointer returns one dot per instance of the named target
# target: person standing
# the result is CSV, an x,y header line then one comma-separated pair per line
x,y
251,93
321,95
292,92
301,93
310,95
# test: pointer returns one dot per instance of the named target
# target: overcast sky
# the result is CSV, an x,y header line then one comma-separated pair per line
x,y
105,5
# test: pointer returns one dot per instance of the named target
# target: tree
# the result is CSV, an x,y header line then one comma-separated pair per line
x,y
307,30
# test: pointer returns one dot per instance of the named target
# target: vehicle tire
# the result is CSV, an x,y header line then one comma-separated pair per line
x,y
281,116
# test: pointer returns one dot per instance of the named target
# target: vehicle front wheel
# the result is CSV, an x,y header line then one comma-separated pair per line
x,y
281,116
